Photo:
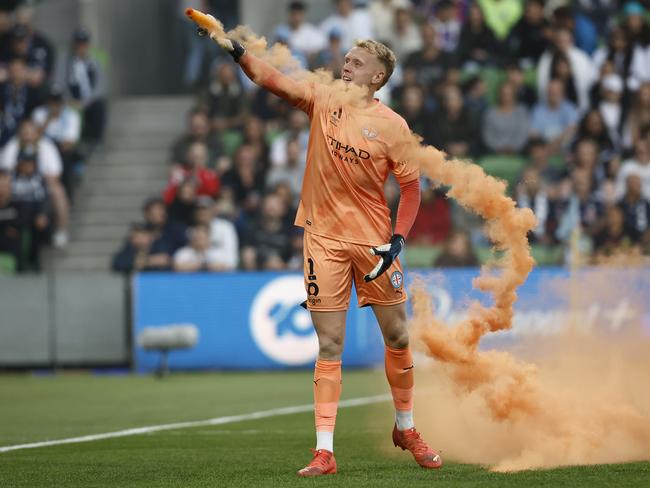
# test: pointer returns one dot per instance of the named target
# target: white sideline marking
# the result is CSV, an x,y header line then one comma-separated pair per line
x,y
353,402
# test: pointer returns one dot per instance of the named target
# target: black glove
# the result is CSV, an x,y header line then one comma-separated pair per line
x,y
387,253
234,48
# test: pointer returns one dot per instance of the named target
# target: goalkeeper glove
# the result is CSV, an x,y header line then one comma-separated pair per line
x,y
232,47
387,253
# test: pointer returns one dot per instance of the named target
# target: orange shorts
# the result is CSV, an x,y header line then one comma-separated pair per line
x,y
330,267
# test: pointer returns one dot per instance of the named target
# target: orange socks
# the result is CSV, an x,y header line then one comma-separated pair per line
x,y
327,390
399,371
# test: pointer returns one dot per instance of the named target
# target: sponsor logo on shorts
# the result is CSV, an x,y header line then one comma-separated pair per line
x,y
397,279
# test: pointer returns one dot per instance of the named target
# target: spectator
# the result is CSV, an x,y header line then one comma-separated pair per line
x,y
30,192
298,131
538,158
583,212
404,35
638,165
166,234
476,100
17,99
636,209
505,127
87,86
581,68
585,156
205,181
523,92
432,223
49,166
223,236
332,57
199,255
612,239
554,119
354,23
413,110
501,16
477,46
296,262
531,193
610,106
62,125
255,137
430,63
141,251
245,179
267,244
447,26
291,172
638,121
26,43
11,220
457,252
592,126
225,99
625,58
635,24
198,130
382,13
455,131
303,36
183,206
530,36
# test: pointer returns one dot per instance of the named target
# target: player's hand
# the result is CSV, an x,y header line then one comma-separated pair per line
x,y
232,47
387,253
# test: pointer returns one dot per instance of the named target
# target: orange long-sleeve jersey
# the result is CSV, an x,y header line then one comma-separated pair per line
x,y
350,154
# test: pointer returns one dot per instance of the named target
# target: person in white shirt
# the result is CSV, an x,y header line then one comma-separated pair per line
x,y
49,166
62,125
223,235
582,68
404,36
354,23
200,255
304,37
382,13
639,165
610,106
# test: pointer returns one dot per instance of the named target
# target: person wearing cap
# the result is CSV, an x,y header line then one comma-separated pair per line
x,y
62,125
87,86
49,165
30,191
610,107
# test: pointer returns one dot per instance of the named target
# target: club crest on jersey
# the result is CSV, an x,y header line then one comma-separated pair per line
x,y
369,133
396,279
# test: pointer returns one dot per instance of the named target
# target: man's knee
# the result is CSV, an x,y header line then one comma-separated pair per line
x,y
397,338
330,347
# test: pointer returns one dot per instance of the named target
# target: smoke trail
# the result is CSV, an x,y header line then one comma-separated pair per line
x,y
493,388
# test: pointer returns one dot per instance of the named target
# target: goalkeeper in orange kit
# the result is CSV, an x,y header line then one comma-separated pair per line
x,y
352,148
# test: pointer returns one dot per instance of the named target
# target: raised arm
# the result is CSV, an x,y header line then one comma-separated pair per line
x,y
259,71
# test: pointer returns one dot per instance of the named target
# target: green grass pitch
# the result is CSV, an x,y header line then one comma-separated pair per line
x,y
252,453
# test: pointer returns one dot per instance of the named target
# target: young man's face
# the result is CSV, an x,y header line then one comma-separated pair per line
x,y
362,68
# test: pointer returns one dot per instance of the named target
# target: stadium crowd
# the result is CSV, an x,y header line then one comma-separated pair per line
x,y
47,128
553,97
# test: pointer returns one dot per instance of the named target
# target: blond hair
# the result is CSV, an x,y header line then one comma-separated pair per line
x,y
383,53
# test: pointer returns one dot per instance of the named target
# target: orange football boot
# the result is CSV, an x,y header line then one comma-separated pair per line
x,y
322,463
410,439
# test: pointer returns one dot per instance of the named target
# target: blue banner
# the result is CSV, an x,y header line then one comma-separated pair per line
x,y
254,320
